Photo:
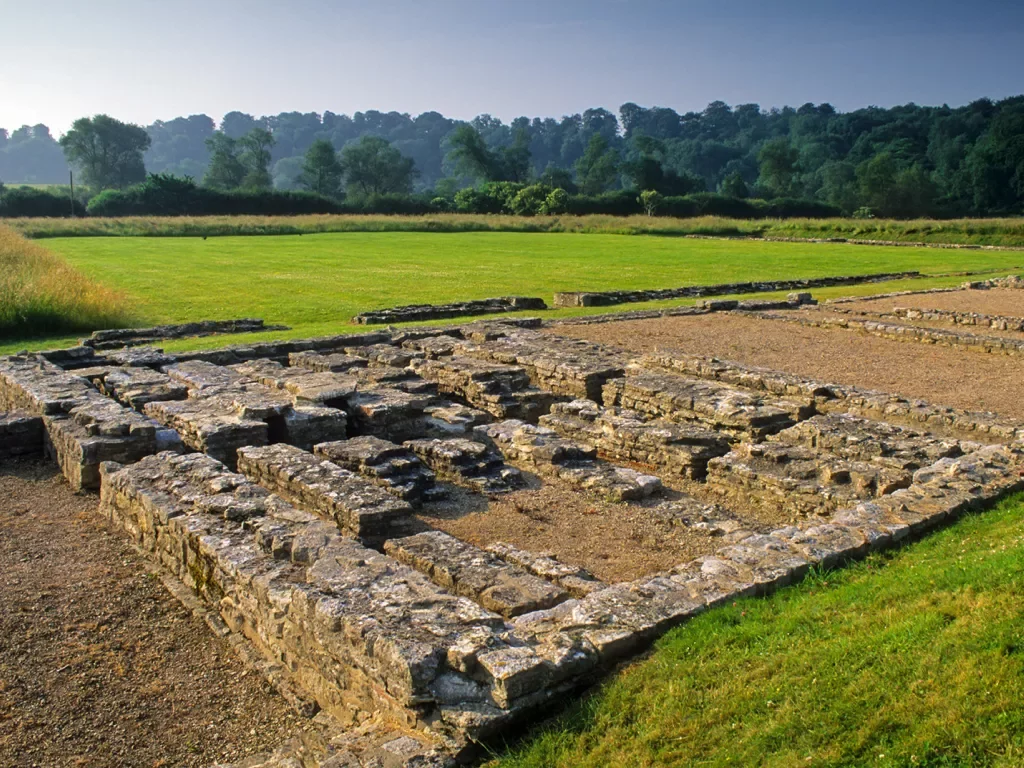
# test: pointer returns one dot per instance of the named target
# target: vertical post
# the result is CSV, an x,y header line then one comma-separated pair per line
x,y
71,179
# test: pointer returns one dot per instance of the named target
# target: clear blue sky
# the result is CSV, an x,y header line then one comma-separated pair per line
x,y
142,60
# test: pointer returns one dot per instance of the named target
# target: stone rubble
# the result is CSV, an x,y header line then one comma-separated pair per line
x,y
226,410
556,364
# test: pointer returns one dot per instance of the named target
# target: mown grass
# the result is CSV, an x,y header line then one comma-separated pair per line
x,y
992,232
42,295
914,658
316,283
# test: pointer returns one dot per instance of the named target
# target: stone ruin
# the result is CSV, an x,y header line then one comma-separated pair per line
x,y
282,484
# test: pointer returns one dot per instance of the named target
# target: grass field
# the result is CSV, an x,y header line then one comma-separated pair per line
x,y
915,658
315,283
1006,232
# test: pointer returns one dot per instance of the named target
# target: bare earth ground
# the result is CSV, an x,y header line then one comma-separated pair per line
x,y
996,301
615,542
99,665
964,379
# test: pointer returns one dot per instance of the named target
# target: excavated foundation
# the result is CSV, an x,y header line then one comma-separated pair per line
x,y
291,488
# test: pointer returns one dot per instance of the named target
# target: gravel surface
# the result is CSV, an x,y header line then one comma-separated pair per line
x,y
995,301
99,665
962,378
615,542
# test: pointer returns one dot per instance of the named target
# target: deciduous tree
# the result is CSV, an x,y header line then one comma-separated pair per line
x,y
106,151
322,171
373,167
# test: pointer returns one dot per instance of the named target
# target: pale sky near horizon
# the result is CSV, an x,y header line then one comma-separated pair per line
x,y
146,60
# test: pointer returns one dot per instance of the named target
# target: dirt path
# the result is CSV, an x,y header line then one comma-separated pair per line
x,y
961,378
995,301
99,665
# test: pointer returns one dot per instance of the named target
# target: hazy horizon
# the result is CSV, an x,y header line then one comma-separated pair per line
x,y
146,61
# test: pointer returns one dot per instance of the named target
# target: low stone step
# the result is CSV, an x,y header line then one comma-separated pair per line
x,y
474,573
577,581
356,504
391,466
467,463
543,449
622,435
135,387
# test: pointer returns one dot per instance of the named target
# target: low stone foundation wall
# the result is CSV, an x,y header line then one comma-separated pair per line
x,y
956,339
418,313
131,337
83,428
21,434
608,298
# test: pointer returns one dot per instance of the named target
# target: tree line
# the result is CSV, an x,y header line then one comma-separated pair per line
x,y
904,161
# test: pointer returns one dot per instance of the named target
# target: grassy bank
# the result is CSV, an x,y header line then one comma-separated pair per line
x,y
42,295
991,232
911,659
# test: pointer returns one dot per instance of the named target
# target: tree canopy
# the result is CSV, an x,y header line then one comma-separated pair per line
x,y
107,152
373,167
966,160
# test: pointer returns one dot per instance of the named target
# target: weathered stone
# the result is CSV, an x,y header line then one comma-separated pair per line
x,y
607,298
542,449
336,362
83,428
722,407
349,625
421,312
128,337
135,387
474,573
560,365
621,435
320,486
787,479
391,466
578,582
21,434
467,463
504,391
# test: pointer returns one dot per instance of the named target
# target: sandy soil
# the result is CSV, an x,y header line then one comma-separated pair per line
x,y
615,542
997,301
964,379
99,665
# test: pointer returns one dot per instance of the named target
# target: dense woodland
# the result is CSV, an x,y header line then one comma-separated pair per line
x,y
904,161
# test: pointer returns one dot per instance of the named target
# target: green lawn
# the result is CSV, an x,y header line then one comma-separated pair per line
x,y
315,283
915,658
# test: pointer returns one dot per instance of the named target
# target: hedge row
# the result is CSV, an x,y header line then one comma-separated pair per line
x,y
162,195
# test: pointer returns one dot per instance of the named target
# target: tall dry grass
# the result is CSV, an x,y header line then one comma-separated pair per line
x,y
41,294
1006,232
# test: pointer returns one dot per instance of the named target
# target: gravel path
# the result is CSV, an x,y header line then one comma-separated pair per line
x,y
961,378
99,665
995,301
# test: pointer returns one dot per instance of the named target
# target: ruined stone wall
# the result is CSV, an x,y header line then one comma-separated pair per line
x,y
418,313
607,298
